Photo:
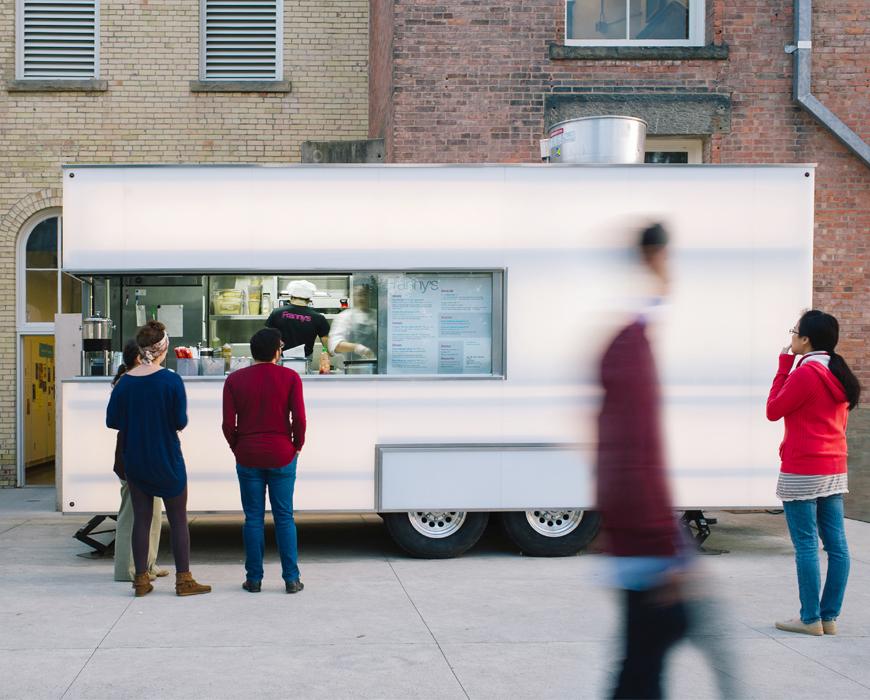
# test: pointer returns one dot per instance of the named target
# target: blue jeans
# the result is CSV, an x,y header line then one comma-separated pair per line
x,y
280,482
807,522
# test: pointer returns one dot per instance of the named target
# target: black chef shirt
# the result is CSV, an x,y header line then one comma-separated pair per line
x,y
298,325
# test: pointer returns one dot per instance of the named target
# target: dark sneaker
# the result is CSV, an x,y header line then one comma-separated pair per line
x,y
294,586
252,586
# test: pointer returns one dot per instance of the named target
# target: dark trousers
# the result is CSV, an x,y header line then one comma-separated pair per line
x,y
654,622
176,514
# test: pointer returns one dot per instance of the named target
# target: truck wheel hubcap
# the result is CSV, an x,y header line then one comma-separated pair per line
x,y
437,523
554,523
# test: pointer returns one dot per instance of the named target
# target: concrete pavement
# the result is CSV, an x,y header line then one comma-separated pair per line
x,y
373,623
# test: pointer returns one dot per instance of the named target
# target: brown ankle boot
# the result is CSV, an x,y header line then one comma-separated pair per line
x,y
142,585
185,584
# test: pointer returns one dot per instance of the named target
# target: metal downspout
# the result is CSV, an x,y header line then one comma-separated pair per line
x,y
802,50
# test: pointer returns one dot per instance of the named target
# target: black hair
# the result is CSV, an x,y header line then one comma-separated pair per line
x,y
823,332
652,238
265,343
131,356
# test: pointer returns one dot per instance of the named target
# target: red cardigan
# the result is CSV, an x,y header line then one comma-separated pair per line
x,y
259,403
814,406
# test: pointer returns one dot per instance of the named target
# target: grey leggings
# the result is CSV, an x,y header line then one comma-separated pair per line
x,y
176,513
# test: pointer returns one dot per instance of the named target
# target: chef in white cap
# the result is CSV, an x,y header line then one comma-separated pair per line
x,y
299,324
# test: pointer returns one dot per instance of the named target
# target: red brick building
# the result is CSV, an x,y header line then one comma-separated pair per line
x,y
468,81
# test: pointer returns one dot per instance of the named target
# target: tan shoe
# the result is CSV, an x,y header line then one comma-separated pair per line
x,y
185,584
142,585
829,626
814,628
158,572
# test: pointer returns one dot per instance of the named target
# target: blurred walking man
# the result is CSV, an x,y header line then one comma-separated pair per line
x,y
638,523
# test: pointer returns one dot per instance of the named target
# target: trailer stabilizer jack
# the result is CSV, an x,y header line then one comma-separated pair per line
x,y
90,528
698,527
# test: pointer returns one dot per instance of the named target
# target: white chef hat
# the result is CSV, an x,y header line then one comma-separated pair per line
x,y
301,289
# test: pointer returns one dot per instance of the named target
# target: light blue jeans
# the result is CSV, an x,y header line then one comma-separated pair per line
x,y
280,482
807,522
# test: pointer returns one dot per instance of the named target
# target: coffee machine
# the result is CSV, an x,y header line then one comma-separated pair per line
x,y
97,355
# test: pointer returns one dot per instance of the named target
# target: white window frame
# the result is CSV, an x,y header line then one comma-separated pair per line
x,y
697,18
279,47
19,47
693,146
22,324
23,327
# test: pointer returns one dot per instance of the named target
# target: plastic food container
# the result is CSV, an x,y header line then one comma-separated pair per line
x,y
360,366
227,302
255,295
213,366
300,364
187,367
239,363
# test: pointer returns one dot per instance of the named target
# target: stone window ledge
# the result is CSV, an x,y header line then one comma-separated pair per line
x,y
57,85
240,86
558,52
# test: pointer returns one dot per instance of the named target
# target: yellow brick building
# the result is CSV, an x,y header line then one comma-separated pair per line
x,y
151,94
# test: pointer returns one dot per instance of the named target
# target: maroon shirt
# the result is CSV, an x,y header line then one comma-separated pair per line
x,y
637,518
264,415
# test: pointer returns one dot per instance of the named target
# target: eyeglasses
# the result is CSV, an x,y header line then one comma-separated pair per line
x,y
794,331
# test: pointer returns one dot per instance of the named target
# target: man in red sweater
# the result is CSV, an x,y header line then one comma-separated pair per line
x,y
264,424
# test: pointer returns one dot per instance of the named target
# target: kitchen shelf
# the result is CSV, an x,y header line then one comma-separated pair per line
x,y
237,317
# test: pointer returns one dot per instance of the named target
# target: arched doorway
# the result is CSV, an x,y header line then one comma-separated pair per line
x,y
42,292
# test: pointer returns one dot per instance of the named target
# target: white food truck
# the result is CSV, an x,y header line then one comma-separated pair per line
x,y
492,290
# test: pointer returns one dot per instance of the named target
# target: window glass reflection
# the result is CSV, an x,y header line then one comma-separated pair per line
x,y
41,296
41,252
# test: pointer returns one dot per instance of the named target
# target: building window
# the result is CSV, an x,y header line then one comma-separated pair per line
x,y
634,22
665,149
57,39
241,39
45,289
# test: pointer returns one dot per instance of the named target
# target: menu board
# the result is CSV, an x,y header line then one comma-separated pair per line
x,y
439,324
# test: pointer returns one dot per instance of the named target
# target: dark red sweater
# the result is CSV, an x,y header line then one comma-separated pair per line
x,y
264,415
816,411
637,518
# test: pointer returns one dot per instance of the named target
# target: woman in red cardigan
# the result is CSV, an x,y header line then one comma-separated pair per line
x,y
814,396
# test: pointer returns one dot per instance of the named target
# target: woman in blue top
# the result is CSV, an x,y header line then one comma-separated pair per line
x,y
149,407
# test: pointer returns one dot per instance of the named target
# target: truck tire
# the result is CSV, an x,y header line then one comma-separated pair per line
x,y
435,534
551,533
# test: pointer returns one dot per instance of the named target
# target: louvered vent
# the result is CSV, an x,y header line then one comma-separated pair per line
x,y
59,39
241,40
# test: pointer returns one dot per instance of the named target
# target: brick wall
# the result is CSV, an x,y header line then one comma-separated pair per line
x,y
469,82
149,114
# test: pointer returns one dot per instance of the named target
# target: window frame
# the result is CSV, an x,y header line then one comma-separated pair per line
x,y
21,322
697,17
694,147
19,48
279,48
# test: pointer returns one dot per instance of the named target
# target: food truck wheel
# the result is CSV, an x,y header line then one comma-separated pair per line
x,y
551,533
435,534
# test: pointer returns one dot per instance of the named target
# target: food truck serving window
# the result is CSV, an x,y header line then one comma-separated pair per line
x,y
393,323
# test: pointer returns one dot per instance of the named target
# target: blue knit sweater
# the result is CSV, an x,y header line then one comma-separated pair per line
x,y
149,411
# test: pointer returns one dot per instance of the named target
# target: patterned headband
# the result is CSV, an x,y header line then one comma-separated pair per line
x,y
152,352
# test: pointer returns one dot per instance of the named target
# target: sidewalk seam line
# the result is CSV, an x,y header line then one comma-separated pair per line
x,y
823,665
14,527
99,644
428,629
